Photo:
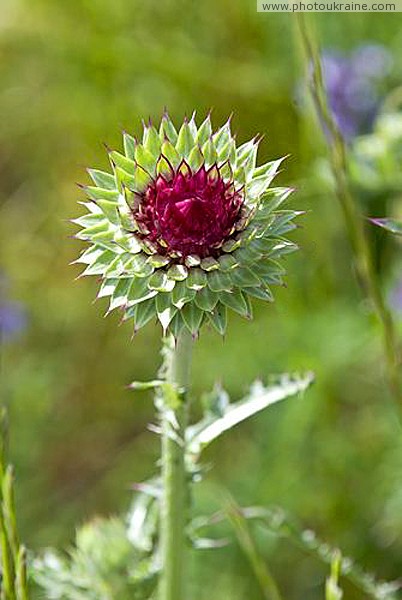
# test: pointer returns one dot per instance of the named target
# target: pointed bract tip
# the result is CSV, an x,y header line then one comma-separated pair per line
x,y
377,220
121,320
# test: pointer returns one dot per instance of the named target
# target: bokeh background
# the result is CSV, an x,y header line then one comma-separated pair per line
x,y
73,75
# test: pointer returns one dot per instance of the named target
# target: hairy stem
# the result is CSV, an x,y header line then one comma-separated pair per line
x,y
353,220
174,411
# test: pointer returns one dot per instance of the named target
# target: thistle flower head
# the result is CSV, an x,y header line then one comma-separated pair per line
x,y
189,212
185,227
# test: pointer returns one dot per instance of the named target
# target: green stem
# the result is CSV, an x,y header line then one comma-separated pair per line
x,y
353,220
263,575
175,493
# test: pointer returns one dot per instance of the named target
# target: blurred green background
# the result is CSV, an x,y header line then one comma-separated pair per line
x,y
74,75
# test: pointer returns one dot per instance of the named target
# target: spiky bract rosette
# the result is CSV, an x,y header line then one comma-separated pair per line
x,y
185,227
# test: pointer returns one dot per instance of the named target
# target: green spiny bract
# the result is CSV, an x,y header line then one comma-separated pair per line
x,y
185,227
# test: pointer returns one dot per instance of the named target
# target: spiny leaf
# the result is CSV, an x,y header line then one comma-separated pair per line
x,y
218,318
139,291
97,193
223,136
145,159
260,397
160,282
192,317
170,153
182,294
107,287
165,309
279,523
129,145
206,299
102,179
143,313
236,301
122,161
185,140
177,324
391,225
119,297
152,142
177,272
167,130
204,131
196,279
219,282
209,152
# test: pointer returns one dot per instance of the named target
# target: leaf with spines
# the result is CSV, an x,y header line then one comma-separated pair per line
x,y
102,179
165,310
182,294
192,317
236,301
391,225
167,129
185,141
206,299
129,144
212,426
218,318
144,312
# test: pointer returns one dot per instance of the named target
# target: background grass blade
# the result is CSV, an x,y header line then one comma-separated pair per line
x,y
266,581
353,220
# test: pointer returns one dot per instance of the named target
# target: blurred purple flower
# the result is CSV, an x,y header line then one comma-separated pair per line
x,y
353,84
396,297
13,318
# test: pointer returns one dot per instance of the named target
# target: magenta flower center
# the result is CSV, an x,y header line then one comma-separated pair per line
x,y
189,213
